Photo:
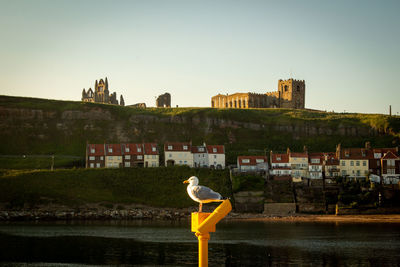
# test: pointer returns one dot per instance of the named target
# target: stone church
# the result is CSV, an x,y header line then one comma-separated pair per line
x,y
101,94
290,94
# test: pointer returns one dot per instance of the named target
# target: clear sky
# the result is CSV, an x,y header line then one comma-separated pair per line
x,y
346,51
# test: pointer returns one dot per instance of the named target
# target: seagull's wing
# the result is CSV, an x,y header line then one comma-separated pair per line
x,y
205,193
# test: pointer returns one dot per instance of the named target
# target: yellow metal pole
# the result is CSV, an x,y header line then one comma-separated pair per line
x,y
203,249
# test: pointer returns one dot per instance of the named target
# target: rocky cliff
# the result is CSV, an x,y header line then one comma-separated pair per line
x,y
39,126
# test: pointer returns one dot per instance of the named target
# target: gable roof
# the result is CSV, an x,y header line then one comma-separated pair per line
x,y
177,147
199,149
116,150
148,149
390,155
280,158
219,149
98,149
134,149
356,153
298,155
252,160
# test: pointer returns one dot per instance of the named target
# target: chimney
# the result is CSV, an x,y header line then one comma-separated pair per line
x,y
368,145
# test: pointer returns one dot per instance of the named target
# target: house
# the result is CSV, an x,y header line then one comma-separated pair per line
x,y
151,155
252,163
178,154
200,156
374,162
354,161
315,165
280,166
332,167
299,165
113,155
132,155
216,156
95,156
390,164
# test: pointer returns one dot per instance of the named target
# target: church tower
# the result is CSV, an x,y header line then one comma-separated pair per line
x,y
292,93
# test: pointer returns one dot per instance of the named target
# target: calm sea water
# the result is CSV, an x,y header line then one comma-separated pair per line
x,y
170,243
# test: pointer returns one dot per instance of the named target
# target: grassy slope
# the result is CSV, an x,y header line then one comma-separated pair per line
x,y
159,187
280,128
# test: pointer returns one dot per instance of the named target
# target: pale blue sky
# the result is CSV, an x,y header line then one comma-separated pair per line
x,y
346,51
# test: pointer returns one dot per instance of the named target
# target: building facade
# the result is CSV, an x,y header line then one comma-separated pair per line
x,y
216,156
121,155
290,94
252,163
101,94
178,154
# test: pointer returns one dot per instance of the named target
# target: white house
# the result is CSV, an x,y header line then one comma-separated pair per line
x,y
252,163
200,156
178,154
280,165
151,156
216,156
316,165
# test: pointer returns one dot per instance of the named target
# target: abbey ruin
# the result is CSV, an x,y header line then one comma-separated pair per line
x,y
101,94
290,94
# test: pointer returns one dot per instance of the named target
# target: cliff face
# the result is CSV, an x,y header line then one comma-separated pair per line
x,y
37,126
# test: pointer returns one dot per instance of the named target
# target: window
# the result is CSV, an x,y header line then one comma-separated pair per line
x,y
153,164
214,150
343,163
390,162
126,149
260,160
139,157
357,163
97,165
169,147
215,156
390,171
358,173
116,165
351,163
343,173
201,149
92,150
110,150
119,158
315,160
170,155
110,158
185,162
128,157
154,149
91,165
127,164
378,163
139,149
278,158
91,158
185,148
377,155
153,156
101,158
245,161
364,163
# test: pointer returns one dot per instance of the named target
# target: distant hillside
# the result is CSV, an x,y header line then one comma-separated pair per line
x,y
40,126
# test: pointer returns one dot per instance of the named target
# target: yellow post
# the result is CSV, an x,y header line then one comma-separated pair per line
x,y
203,223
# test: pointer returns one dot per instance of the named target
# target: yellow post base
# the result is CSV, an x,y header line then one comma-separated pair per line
x,y
203,223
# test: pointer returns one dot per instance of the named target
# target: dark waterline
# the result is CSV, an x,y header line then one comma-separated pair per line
x,y
167,243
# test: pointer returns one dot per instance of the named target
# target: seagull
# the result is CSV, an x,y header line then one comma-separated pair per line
x,y
201,194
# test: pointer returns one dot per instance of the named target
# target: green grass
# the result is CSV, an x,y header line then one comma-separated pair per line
x,y
41,126
158,187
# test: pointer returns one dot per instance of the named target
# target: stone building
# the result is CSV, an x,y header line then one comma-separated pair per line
x,y
163,101
101,94
290,94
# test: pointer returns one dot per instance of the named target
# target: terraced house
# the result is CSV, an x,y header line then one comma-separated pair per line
x,y
122,155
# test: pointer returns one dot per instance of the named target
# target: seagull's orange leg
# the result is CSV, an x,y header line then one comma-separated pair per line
x,y
200,207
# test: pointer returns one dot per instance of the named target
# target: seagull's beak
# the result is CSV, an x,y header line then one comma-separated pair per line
x,y
186,181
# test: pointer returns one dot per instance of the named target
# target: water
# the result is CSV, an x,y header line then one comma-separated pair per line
x,y
236,243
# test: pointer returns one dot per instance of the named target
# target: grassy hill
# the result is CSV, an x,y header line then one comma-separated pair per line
x,y
157,187
30,126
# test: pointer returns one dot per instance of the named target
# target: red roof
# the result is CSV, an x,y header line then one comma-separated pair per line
x,y
390,155
134,149
98,149
177,147
356,153
252,160
215,149
199,149
116,150
150,149
332,161
298,155
280,158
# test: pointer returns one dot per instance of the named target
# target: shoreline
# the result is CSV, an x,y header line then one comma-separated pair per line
x,y
160,214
